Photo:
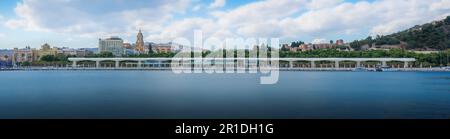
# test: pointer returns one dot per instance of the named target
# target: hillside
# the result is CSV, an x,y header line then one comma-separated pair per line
x,y
435,35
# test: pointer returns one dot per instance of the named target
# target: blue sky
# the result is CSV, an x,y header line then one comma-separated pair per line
x,y
80,23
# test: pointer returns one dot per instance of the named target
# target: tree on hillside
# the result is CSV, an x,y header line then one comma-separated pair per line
x,y
434,35
447,20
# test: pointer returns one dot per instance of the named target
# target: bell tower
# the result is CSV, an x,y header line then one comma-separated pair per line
x,y
140,43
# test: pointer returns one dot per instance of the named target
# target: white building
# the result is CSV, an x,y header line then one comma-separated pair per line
x,y
73,52
113,45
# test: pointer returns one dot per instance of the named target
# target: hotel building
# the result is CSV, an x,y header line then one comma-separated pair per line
x,y
113,45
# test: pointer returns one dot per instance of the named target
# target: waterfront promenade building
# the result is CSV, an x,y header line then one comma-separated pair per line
x,y
290,63
113,45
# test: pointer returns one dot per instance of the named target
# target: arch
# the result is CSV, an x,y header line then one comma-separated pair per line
x,y
301,64
85,63
325,63
128,63
347,64
371,63
283,62
396,63
106,64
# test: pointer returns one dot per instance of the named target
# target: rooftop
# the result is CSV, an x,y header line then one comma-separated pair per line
x,y
113,38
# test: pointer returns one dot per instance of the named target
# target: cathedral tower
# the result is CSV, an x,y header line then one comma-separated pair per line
x,y
140,43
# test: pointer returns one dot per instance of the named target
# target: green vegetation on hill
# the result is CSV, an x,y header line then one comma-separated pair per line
x,y
435,35
379,40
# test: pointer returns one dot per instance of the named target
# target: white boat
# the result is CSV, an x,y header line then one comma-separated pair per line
x,y
386,69
360,69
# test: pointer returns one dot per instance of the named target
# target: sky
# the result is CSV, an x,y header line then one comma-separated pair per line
x,y
80,23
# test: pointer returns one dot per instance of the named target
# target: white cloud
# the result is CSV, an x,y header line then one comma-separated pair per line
x,y
310,18
217,4
184,28
197,7
442,5
88,20
2,20
319,4
379,17
243,21
268,18
2,35
319,41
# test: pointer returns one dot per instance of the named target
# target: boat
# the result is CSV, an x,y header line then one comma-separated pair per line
x,y
360,69
385,69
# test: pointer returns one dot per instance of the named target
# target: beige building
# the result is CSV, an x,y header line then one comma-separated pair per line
x,y
73,52
161,48
324,46
127,46
340,42
31,54
301,48
22,55
305,47
45,50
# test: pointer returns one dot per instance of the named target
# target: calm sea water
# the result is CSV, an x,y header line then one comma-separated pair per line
x,y
162,94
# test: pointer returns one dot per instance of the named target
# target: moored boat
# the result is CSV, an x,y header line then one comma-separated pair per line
x,y
360,69
385,69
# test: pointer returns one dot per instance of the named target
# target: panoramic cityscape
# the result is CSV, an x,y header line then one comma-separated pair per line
x,y
422,57
265,60
425,44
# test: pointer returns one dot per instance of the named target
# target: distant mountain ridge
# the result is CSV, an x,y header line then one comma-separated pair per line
x,y
430,36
